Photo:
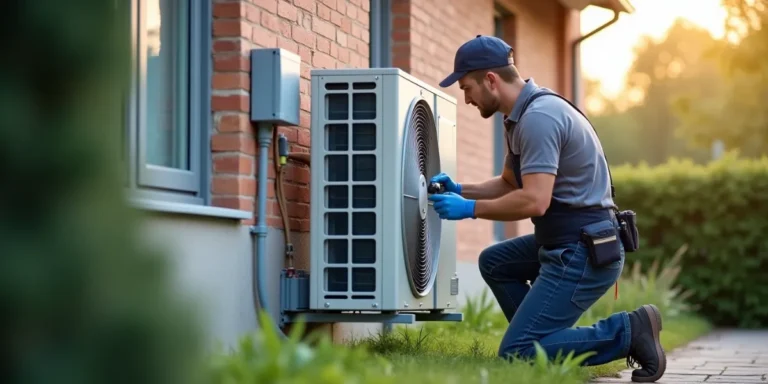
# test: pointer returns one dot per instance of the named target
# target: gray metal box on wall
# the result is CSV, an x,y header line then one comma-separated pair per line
x,y
275,77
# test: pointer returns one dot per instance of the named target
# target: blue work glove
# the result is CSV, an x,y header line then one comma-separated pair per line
x,y
451,206
450,185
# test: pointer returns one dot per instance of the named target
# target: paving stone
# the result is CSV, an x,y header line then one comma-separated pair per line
x,y
672,364
674,378
664,380
730,381
726,365
611,380
736,379
692,371
715,360
745,371
667,378
708,371
723,356
693,361
626,377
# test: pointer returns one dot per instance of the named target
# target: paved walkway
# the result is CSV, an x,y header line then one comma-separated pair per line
x,y
724,356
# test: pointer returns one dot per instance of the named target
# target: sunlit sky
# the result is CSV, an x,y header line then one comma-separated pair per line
x,y
608,55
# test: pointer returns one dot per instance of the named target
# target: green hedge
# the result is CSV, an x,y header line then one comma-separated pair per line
x,y
83,300
721,212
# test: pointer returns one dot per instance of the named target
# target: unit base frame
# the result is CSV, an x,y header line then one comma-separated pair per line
x,y
294,307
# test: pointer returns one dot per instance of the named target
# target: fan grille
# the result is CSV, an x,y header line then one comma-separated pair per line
x,y
421,224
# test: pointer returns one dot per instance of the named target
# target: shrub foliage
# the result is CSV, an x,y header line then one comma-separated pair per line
x,y
720,211
82,302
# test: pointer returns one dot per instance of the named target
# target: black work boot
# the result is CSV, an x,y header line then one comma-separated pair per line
x,y
645,346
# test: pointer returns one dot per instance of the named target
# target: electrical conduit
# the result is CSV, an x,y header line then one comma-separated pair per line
x,y
265,131
267,135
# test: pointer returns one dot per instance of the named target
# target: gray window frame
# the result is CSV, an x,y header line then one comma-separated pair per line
x,y
380,45
153,182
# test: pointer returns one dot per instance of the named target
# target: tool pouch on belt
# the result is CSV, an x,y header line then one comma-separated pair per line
x,y
630,237
602,240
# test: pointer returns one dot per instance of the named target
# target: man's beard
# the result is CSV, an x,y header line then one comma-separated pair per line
x,y
488,106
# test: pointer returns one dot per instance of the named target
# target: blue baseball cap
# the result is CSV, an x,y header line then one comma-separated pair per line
x,y
482,52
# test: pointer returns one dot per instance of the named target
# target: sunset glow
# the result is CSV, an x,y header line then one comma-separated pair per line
x,y
608,55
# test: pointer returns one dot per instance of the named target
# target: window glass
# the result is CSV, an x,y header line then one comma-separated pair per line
x,y
167,83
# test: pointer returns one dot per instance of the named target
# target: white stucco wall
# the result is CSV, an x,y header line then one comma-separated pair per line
x,y
212,265
212,259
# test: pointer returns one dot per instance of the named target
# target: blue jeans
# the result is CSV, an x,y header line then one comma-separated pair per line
x,y
564,284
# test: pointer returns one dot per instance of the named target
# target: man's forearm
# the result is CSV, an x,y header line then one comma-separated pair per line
x,y
489,189
518,205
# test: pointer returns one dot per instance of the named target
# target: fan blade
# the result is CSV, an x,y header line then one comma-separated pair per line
x,y
411,223
410,171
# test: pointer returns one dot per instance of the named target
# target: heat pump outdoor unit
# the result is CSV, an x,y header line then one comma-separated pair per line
x,y
377,137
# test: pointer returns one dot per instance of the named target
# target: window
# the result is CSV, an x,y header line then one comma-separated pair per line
x,y
169,100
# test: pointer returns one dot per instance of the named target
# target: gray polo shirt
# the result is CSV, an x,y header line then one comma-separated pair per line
x,y
553,137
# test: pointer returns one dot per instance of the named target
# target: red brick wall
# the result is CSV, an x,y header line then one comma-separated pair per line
x,y
335,34
326,34
426,35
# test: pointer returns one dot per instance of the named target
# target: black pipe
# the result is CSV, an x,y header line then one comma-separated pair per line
x,y
575,65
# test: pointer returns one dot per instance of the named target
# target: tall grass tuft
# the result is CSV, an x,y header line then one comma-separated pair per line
x,y
657,286
464,352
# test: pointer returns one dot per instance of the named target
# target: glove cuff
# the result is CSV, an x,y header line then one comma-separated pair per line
x,y
470,207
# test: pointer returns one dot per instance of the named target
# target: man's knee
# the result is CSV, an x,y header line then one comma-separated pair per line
x,y
518,250
523,351
518,342
487,260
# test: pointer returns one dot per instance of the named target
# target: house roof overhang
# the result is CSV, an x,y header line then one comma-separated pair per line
x,y
613,5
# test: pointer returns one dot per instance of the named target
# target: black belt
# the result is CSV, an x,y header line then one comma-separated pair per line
x,y
562,224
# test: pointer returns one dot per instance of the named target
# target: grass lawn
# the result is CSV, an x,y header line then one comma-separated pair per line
x,y
466,352
452,352
442,354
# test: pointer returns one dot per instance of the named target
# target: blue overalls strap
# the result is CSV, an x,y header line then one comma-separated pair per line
x,y
561,223
525,106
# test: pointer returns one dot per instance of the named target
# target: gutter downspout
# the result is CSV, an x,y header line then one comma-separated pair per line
x,y
575,72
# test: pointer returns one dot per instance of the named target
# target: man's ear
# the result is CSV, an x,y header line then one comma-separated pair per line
x,y
494,81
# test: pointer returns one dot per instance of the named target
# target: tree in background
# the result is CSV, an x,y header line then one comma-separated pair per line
x,y
619,132
736,115
82,301
640,125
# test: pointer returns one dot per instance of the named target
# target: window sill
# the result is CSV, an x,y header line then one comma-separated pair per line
x,y
190,209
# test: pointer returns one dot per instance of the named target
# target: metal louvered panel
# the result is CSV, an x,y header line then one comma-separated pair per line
x,y
351,119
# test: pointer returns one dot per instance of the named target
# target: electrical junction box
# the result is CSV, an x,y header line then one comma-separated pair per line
x,y
275,77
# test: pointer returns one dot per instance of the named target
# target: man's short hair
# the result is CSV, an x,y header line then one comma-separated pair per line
x,y
508,73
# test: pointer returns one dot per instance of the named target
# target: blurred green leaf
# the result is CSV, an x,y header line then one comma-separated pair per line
x,y
84,301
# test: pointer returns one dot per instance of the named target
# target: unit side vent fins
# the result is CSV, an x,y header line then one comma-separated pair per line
x,y
350,191
421,224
